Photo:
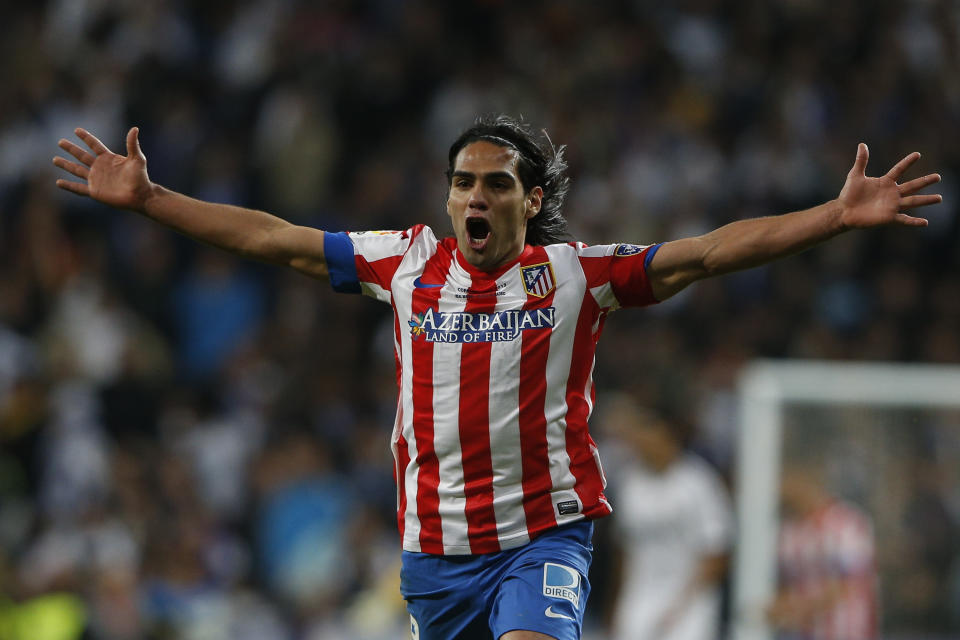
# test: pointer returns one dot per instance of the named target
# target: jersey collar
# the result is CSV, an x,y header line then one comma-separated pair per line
x,y
477,274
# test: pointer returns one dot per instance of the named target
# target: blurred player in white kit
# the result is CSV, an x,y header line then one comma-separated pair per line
x,y
674,529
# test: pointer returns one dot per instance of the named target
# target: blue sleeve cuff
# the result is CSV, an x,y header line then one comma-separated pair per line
x,y
338,251
652,251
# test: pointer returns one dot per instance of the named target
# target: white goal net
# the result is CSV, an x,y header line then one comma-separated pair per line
x,y
882,437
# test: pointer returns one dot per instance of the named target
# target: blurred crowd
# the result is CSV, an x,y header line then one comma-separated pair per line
x,y
197,447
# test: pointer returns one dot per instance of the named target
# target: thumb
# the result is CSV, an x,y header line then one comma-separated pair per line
x,y
860,164
133,143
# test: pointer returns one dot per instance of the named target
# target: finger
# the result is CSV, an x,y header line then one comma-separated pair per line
x,y
912,202
910,221
860,164
74,187
133,142
910,188
899,168
92,141
79,170
77,152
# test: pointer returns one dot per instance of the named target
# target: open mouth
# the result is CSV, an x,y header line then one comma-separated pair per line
x,y
478,232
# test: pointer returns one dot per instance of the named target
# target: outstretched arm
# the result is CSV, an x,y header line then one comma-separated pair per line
x,y
122,182
863,202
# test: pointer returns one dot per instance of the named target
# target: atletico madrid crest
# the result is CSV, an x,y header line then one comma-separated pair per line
x,y
627,250
538,279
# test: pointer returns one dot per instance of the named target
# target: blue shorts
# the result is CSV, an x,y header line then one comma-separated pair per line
x,y
541,586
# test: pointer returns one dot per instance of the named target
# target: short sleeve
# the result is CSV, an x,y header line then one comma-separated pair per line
x,y
366,261
617,274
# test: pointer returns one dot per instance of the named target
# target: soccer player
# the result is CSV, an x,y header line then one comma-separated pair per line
x,y
494,331
827,562
674,528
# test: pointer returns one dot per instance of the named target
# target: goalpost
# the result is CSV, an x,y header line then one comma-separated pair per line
x,y
773,394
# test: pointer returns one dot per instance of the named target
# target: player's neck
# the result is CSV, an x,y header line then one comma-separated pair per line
x,y
495,271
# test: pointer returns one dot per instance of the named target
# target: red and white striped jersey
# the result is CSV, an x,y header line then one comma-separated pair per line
x,y
495,377
833,549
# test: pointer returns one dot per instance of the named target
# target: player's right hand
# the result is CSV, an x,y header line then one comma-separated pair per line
x,y
119,181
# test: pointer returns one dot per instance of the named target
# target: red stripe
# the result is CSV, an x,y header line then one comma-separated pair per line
x,y
583,466
379,272
537,504
475,431
397,363
628,277
596,270
401,454
428,478
402,458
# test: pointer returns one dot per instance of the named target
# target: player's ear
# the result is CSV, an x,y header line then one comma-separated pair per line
x,y
534,202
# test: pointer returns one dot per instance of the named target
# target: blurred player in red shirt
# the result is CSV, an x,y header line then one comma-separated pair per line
x,y
826,564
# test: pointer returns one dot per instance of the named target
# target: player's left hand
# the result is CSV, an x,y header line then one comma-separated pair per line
x,y
871,202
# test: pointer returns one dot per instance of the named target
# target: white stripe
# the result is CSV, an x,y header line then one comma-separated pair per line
x,y
377,246
394,448
403,307
375,291
505,434
588,385
588,390
446,436
421,250
411,527
568,300
603,294
596,251
596,460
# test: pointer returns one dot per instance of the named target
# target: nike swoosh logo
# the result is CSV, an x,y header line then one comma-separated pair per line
x,y
550,613
423,285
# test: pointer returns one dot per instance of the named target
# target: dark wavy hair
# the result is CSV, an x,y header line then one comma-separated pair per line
x,y
539,164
